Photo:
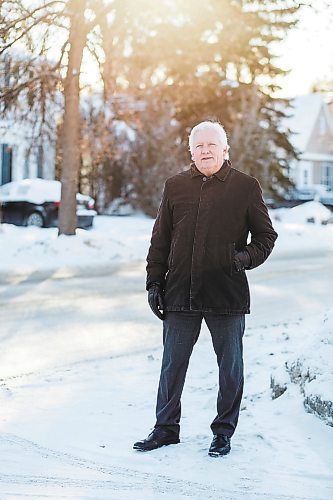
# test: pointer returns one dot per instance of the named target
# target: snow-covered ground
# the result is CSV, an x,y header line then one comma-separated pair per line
x,y
112,240
122,239
68,422
68,432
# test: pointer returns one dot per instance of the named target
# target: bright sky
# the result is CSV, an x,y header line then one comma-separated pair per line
x,y
308,51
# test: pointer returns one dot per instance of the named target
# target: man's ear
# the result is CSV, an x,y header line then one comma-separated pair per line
x,y
226,152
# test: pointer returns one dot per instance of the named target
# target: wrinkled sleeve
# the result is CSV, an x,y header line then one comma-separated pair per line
x,y
157,258
263,235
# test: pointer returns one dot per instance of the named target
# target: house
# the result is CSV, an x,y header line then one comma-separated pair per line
x,y
20,157
23,154
311,122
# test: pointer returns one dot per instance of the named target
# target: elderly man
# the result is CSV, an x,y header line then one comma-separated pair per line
x,y
196,270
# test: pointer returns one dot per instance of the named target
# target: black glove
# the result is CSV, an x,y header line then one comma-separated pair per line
x,y
155,300
242,260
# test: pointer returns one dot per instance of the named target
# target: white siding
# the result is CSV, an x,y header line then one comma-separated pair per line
x,y
24,155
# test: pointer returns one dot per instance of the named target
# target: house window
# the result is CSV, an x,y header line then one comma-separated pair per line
x,y
6,163
26,165
305,177
40,154
327,174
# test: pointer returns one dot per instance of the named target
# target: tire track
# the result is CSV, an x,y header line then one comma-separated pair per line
x,y
123,478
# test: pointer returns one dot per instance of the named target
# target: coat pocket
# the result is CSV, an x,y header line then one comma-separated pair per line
x,y
232,250
171,253
227,255
220,257
180,211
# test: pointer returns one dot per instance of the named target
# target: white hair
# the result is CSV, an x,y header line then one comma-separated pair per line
x,y
213,126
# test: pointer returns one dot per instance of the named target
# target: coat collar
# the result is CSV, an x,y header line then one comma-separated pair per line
x,y
220,174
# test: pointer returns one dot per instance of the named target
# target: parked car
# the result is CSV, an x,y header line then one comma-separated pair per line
x,y
312,192
35,202
317,192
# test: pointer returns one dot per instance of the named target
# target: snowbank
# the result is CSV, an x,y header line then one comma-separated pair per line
x,y
310,366
112,240
115,240
312,212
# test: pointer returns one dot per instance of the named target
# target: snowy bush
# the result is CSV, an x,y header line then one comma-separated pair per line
x,y
311,212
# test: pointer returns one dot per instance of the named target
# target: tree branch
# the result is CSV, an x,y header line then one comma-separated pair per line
x,y
31,13
29,28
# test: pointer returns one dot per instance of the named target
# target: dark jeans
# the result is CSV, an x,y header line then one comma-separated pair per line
x,y
180,333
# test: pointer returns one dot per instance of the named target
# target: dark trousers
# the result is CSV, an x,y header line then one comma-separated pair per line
x,y
180,333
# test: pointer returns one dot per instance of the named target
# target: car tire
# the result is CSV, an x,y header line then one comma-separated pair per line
x,y
34,219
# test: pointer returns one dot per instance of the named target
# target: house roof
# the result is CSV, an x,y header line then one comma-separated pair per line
x,y
330,109
303,116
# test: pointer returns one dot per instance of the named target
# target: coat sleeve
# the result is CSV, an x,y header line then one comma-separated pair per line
x,y
157,258
260,226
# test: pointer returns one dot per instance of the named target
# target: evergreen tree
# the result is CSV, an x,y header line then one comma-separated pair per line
x,y
185,61
214,62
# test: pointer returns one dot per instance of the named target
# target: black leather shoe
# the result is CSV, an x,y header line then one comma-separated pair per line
x,y
220,446
157,438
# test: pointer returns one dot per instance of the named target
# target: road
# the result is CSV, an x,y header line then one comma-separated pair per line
x,y
66,335
110,305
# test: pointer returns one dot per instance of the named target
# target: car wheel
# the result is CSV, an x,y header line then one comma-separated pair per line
x,y
35,219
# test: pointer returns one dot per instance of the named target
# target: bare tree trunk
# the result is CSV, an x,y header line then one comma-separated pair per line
x,y
71,126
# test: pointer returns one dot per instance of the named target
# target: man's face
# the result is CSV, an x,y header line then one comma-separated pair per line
x,y
208,152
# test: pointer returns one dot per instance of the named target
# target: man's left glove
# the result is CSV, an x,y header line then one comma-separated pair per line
x,y
155,300
242,260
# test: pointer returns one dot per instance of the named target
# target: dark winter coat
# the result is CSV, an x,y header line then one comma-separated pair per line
x,y
201,223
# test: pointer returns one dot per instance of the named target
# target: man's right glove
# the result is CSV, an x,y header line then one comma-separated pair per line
x,y
155,300
242,260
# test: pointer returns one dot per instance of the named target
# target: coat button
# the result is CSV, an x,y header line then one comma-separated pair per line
x,y
204,178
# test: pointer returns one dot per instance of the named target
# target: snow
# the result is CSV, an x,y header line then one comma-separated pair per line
x,y
315,356
122,128
86,211
33,190
75,397
79,432
115,239
111,241
311,211
39,191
